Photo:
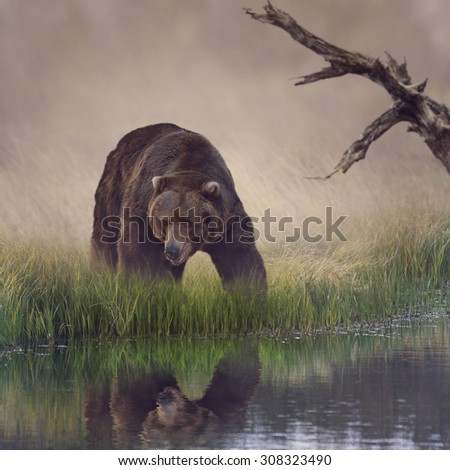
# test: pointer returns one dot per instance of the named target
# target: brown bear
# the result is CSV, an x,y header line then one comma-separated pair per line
x,y
165,194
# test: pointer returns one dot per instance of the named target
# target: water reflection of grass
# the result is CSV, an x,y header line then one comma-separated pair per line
x,y
43,392
315,357
48,292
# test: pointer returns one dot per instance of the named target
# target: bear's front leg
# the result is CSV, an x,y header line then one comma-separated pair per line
x,y
140,253
145,259
236,258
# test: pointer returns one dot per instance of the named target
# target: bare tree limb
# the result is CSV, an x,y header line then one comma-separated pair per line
x,y
357,151
328,72
429,119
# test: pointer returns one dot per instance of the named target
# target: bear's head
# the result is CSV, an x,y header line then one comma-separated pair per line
x,y
186,212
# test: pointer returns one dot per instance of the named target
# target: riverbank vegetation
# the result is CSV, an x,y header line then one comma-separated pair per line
x,y
390,265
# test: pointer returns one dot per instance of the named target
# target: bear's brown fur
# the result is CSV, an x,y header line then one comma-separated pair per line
x,y
165,194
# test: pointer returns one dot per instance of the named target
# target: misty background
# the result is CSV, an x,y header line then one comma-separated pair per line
x,y
76,75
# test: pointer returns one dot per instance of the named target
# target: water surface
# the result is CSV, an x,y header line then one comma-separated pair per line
x,y
384,388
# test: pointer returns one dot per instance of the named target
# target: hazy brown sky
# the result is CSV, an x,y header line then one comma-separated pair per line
x,y
78,74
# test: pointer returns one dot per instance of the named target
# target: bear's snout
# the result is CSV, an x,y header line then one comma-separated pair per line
x,y
177,253
172,252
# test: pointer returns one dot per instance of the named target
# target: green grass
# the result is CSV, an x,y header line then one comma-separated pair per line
x,y
49,292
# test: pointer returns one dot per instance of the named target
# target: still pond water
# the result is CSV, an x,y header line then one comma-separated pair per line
x,y
385,388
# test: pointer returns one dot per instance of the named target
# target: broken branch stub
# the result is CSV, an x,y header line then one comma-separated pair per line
x,y
429,119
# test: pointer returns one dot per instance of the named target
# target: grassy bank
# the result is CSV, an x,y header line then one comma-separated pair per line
x,y
390,265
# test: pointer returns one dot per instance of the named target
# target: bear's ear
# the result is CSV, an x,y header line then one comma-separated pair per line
x,y
211,188
159,183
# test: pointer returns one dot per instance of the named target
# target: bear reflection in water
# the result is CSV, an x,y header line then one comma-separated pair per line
x,y
176,414
152,411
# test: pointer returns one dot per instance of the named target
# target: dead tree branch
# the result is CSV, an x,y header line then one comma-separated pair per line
x,y
429,119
